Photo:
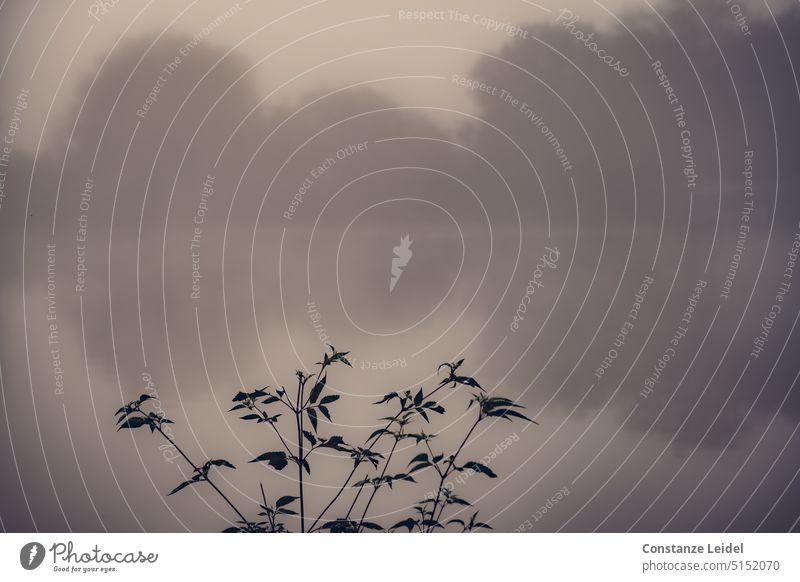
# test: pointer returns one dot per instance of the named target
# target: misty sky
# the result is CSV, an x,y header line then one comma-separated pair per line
x,y
213,235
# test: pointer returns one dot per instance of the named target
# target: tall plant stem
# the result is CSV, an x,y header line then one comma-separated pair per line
x,y
264,499
358,494
299,420
357,462
378,486
207,478
367,444
447,472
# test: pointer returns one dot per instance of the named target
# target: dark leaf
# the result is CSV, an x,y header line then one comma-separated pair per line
x,y
409,523
458,501
221,463
330,398
418,398
315,392
336,442
422,465
285,500
380,431
467,381
251,417
371,525
324,410
340,526
479,468
404,477
276,459
310,436
134,422
496,401
312,416
508,413
182,486
387,398
419,457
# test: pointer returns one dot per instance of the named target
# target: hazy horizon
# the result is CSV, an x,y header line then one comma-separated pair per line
x,y
202,196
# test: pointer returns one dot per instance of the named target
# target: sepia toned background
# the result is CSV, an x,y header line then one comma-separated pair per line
x,y
456,118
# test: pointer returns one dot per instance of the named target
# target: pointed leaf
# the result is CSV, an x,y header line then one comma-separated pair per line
x,y
312,416
276,459
133,422
310,436
409,523
317,390
387,398
419,457
380,431
182,486
508,413
285,500
479,468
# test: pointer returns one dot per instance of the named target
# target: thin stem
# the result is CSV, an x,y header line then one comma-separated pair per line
x,y
299,421
322,367
275,428
358,493
286,402
207,478
357,462
430,450
269,516
447,471
378,486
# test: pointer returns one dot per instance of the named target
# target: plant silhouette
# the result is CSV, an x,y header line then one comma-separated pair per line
x,y
308,401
